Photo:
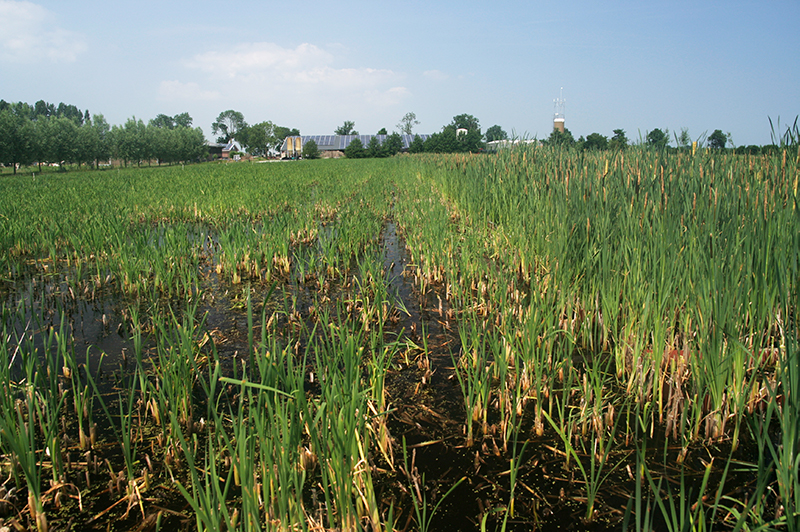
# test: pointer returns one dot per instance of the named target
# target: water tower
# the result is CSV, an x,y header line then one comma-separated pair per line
x,y
558,116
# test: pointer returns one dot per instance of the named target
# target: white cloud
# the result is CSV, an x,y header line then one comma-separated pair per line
x,y
343,78
268,62
176,90
305,84
245,60
388,98
29,34
436,75
304,75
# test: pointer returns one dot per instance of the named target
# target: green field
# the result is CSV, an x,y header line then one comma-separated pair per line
x,y
525,340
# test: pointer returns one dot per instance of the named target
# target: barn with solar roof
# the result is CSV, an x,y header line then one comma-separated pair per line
x,y
334,145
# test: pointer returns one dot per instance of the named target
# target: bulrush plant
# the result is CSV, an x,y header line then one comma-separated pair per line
x,y
508,386
181,358
19,439
32,431
600,448
284,459
129,438
337,424
678,300
575,289
536,368
83,399
777,430
268,458
378,364
474,377
208,490
50,393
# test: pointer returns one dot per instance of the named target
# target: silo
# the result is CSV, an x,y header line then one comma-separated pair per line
x,y
558,115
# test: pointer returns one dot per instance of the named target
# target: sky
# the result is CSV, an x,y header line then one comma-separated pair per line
x,y
310,65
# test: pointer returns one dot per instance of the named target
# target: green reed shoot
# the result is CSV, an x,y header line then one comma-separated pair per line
x,y
19,441
419,497
598,456
473,373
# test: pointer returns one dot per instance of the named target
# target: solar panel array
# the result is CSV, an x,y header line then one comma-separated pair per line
x,y
341,142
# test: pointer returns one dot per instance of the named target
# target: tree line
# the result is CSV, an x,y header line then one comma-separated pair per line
x,y
660,139
655,138
44,133
47,134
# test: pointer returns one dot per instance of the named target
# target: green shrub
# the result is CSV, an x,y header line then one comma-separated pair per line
x,y
310,150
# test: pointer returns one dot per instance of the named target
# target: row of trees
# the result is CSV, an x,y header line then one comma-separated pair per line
x,y
159,140
46,134
594,141
660,139
461,135
47,110
655,138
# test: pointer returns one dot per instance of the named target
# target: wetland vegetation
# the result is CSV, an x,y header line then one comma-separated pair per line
x,y
539,338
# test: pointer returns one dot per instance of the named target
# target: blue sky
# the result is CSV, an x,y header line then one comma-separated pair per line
x,y
312,65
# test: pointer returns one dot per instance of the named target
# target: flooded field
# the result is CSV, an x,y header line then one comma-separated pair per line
x,y
529,340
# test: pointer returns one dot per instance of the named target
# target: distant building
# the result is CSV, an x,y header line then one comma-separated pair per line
x,y
232,145
214,149
334,145
495,145
558,115
223,150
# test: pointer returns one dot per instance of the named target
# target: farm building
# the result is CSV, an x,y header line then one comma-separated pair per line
x,y
223,149
495,145
334,145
